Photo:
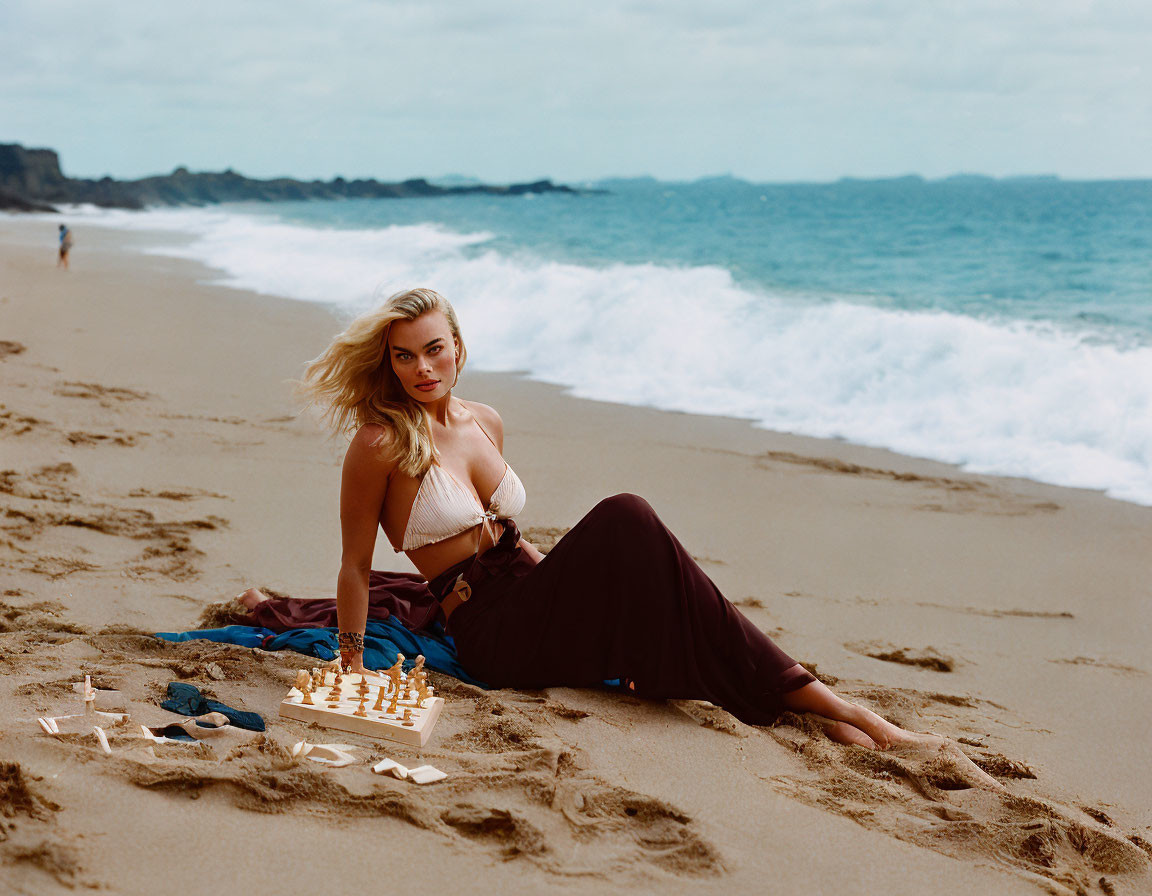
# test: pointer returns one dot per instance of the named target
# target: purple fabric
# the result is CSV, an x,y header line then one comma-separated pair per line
x,y
618,597
401,595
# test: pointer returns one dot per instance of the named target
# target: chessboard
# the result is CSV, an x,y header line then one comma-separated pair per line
x,y
386,704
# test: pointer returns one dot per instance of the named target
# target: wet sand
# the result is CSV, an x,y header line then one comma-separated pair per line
x,y
153,462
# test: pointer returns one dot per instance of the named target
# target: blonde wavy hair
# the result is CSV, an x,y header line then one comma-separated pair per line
x,y
354,380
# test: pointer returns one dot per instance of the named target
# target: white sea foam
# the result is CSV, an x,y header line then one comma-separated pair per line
x,y
995,397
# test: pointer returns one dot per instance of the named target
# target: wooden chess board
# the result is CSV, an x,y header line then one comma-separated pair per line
x,y
339,710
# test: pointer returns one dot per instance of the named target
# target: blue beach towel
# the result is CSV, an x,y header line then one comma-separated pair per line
x,y
383,640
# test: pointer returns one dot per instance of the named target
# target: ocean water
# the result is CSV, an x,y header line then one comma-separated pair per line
x,y
1005,326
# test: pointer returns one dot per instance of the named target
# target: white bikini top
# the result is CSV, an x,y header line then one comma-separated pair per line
x,y
445,507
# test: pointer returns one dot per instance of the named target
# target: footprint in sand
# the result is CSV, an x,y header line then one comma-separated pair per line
x,y
106,395
1100,664
93,439
44,616
168,553
997,614
931,798
924,658
960,495
13,423
48,483
175,494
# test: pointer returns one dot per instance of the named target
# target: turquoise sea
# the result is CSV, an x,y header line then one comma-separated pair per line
x,y
1005,325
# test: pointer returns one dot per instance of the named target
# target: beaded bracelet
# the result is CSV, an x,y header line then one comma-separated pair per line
x,y
353,641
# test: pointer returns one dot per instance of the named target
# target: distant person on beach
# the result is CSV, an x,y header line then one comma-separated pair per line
x,y
618,598
65,246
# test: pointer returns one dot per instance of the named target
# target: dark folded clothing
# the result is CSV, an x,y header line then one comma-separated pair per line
x,y
187,700
400,595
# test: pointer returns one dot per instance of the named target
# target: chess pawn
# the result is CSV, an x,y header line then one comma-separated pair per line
x,y
307,701
379,700
392,704
407,718
422,695
360,710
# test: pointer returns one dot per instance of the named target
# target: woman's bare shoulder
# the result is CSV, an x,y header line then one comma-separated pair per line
x,y
488,418
370,445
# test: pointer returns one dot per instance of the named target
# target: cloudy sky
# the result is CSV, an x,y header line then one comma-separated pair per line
x,y
770,90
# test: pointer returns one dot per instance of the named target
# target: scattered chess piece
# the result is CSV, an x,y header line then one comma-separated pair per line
x,y
89,697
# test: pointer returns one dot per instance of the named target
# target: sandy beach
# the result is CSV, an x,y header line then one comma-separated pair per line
x,y
154,462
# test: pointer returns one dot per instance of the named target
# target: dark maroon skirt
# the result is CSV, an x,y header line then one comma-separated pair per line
x,y
618,597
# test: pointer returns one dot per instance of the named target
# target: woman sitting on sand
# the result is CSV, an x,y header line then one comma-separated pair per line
x,y
618,597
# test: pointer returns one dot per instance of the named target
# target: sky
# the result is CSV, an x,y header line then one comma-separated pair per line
x,y
514,90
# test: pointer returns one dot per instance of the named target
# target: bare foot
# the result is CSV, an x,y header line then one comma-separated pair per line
x,y
843,733
251,598
951,757
879,729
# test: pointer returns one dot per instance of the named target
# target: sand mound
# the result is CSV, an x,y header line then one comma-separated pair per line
x,y
30,844
930,796
923,657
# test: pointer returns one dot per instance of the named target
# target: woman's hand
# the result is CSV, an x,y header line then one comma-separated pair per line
x,y
531,551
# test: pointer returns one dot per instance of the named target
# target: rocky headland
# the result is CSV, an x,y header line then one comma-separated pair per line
x,y
31,180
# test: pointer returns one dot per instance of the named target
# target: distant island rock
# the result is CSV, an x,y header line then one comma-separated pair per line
x,y
31,180
901,179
